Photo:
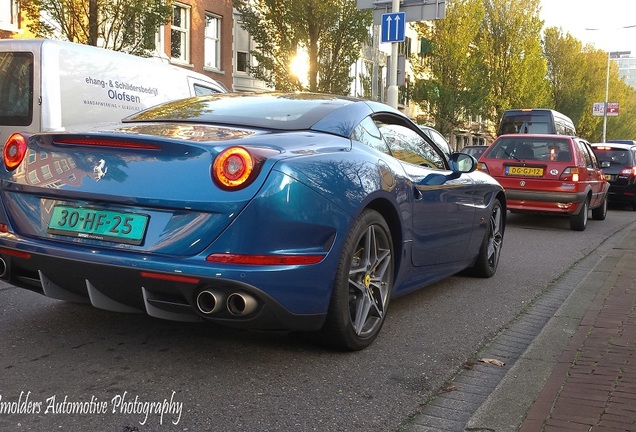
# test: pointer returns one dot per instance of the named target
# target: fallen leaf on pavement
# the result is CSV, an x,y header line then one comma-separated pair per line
x,y
492,362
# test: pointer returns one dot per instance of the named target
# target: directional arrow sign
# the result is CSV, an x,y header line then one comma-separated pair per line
x,y
393,27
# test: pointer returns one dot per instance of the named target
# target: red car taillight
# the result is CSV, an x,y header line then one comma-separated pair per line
x,y
628,172
482,167
570,174
14,151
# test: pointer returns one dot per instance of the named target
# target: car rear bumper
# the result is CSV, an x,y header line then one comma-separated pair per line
x,y
554,202
622,193
230,301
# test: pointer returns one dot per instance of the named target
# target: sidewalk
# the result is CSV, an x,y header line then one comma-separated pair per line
x,y
570,360
593,385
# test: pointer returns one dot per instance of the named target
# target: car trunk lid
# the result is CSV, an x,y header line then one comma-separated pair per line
x,y
147,190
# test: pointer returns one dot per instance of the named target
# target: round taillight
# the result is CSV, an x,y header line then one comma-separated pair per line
x,y
14,151
232,168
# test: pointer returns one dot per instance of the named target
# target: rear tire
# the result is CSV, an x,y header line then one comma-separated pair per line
x,y
578,222
363,285
600,212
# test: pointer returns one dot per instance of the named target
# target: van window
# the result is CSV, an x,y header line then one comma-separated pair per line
x,y
201,90
535,121
16,88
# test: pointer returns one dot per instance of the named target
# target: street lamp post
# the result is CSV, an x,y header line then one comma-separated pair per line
x,y
606,98
607,74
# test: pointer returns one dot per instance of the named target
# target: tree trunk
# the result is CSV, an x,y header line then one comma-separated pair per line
x,y
92,22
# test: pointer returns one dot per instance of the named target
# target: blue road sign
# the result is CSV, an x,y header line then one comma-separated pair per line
x,y
393,26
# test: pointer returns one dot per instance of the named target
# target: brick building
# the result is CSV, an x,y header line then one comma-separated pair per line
x,y
12,24
203,35
200,38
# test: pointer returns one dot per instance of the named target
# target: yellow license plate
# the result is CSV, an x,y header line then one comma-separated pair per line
x,y
608,177
524,171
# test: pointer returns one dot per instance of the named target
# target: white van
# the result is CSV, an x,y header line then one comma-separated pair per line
x,y
535,121
50,85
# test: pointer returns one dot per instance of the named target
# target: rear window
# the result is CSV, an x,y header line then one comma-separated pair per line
x,y
270,110
16,88
613,155
527,148
474,151
531,123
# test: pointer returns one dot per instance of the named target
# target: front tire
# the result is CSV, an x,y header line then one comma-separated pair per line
x,y
363,285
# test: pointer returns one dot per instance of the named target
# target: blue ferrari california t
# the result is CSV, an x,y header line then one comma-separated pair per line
x,y
297,211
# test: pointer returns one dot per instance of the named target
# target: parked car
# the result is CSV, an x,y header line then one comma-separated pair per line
x,y
619,165
437,138
260,211
475,150
552,174
622,141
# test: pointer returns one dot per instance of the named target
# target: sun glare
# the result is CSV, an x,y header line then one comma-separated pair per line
x,y
299,65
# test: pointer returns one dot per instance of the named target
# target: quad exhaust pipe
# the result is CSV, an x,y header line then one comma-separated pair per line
x,y
239,304
209,302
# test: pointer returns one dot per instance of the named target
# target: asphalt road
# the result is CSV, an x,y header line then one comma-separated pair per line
x,y
72,367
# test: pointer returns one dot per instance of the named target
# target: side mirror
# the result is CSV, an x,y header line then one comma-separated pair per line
x,y
462,163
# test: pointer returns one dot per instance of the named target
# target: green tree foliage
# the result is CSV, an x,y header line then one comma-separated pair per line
x,y
332,32
489,55
578,78
568,81
128,26
622,126
451,85
510,45
593,64
486,58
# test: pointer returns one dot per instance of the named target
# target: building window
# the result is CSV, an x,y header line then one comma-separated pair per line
x,y
46,172
212,41
33,177
180,34
405,47
9,15
243,43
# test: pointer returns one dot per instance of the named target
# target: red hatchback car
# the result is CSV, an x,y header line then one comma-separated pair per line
x,y
553,174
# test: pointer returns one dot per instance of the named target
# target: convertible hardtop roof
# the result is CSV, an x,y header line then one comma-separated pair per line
x,y
278,111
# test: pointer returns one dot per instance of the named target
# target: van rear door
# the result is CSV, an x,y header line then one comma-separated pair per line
x,y
19,89
526,121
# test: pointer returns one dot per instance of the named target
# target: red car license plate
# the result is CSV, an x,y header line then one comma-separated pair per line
x,y
524,171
